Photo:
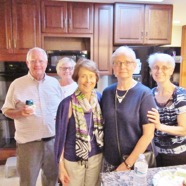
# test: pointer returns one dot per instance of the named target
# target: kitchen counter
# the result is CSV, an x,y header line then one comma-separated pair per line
x,y
125,178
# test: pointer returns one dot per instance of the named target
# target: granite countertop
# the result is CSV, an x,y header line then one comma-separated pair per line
x,y
125,178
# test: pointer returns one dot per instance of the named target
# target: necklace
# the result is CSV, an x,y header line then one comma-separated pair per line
x,y
120,98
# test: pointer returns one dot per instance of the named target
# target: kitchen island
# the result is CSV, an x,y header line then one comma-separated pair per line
x,y
125,178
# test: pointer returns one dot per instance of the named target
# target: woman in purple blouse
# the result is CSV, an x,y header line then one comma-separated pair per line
x,y
79,130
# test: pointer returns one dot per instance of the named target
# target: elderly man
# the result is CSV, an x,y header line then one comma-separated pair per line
x,y
35,125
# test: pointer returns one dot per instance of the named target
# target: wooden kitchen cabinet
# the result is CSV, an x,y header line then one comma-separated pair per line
x,y
142,24
67,17
158,24
103,37
20,28
129,23
6,153
182,82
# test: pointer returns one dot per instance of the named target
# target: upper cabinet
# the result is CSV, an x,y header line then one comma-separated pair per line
x,y
129,23
103,37
67,18
20,27
142,24
158,24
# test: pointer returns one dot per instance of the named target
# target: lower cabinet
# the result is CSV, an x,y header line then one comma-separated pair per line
x,y
6,153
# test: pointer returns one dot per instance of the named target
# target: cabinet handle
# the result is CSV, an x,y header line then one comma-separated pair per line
x,y
9,43
141,35
15,43
146,35
70,22
65,23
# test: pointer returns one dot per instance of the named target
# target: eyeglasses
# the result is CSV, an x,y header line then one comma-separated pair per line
x,y
120,63
66,68
163,68
35,61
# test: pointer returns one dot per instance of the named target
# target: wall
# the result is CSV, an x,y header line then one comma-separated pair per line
x,y
176,36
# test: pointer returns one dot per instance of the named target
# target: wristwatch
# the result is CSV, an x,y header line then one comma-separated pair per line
x,y
127,165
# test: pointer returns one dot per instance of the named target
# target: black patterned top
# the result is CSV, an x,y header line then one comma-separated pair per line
x,y
166,143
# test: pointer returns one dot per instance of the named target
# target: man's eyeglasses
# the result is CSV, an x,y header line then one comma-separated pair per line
x,y
37,61
120,63
66,68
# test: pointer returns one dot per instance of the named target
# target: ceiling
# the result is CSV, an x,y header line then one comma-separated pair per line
x,y
179,11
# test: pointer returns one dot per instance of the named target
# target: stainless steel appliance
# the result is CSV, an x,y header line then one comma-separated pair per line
x,y
55,55
9,71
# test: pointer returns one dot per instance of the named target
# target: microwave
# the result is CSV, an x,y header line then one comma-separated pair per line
x,y
55,55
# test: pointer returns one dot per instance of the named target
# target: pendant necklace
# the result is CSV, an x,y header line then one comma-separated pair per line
x,y
120,98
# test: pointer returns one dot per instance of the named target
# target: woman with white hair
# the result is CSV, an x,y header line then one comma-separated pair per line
x,y
65,69
170,116
127,131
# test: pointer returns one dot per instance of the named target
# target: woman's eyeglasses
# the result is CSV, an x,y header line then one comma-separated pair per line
x,y
120,63
163,68
66,68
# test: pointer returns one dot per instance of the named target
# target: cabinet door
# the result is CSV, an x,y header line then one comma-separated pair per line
x,y
129,24
158,24
26,25
80,18
6,27
103,37
182,82
54,17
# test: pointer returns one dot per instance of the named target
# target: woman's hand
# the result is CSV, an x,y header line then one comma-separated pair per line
x,y
154,117
63,175
122,167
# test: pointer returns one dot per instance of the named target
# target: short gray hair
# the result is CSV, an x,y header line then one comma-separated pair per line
x,y
36,49
166,58
63,61
124,51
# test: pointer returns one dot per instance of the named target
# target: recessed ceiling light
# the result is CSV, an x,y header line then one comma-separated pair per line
x,y
176,22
